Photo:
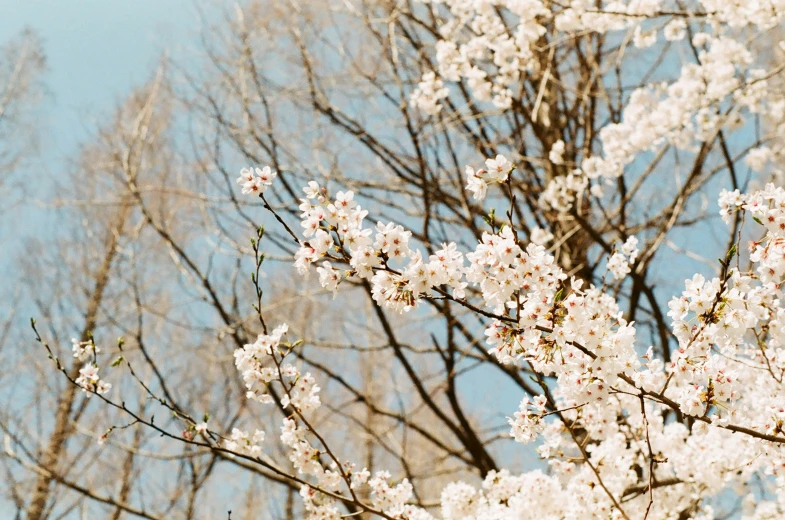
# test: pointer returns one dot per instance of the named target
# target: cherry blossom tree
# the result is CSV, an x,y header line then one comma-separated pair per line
x,y
544,174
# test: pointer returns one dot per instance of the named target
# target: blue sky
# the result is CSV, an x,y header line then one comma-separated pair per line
x,y
96,50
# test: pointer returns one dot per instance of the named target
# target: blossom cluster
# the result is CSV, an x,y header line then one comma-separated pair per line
x,y
527,422
261,365
254,362
88,378
490,47
90,381
334,229
619,263
245,443
255,181
575,334
718,364
84,350
496,172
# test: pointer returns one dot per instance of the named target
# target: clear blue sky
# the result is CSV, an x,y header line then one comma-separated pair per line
x,y
97,50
